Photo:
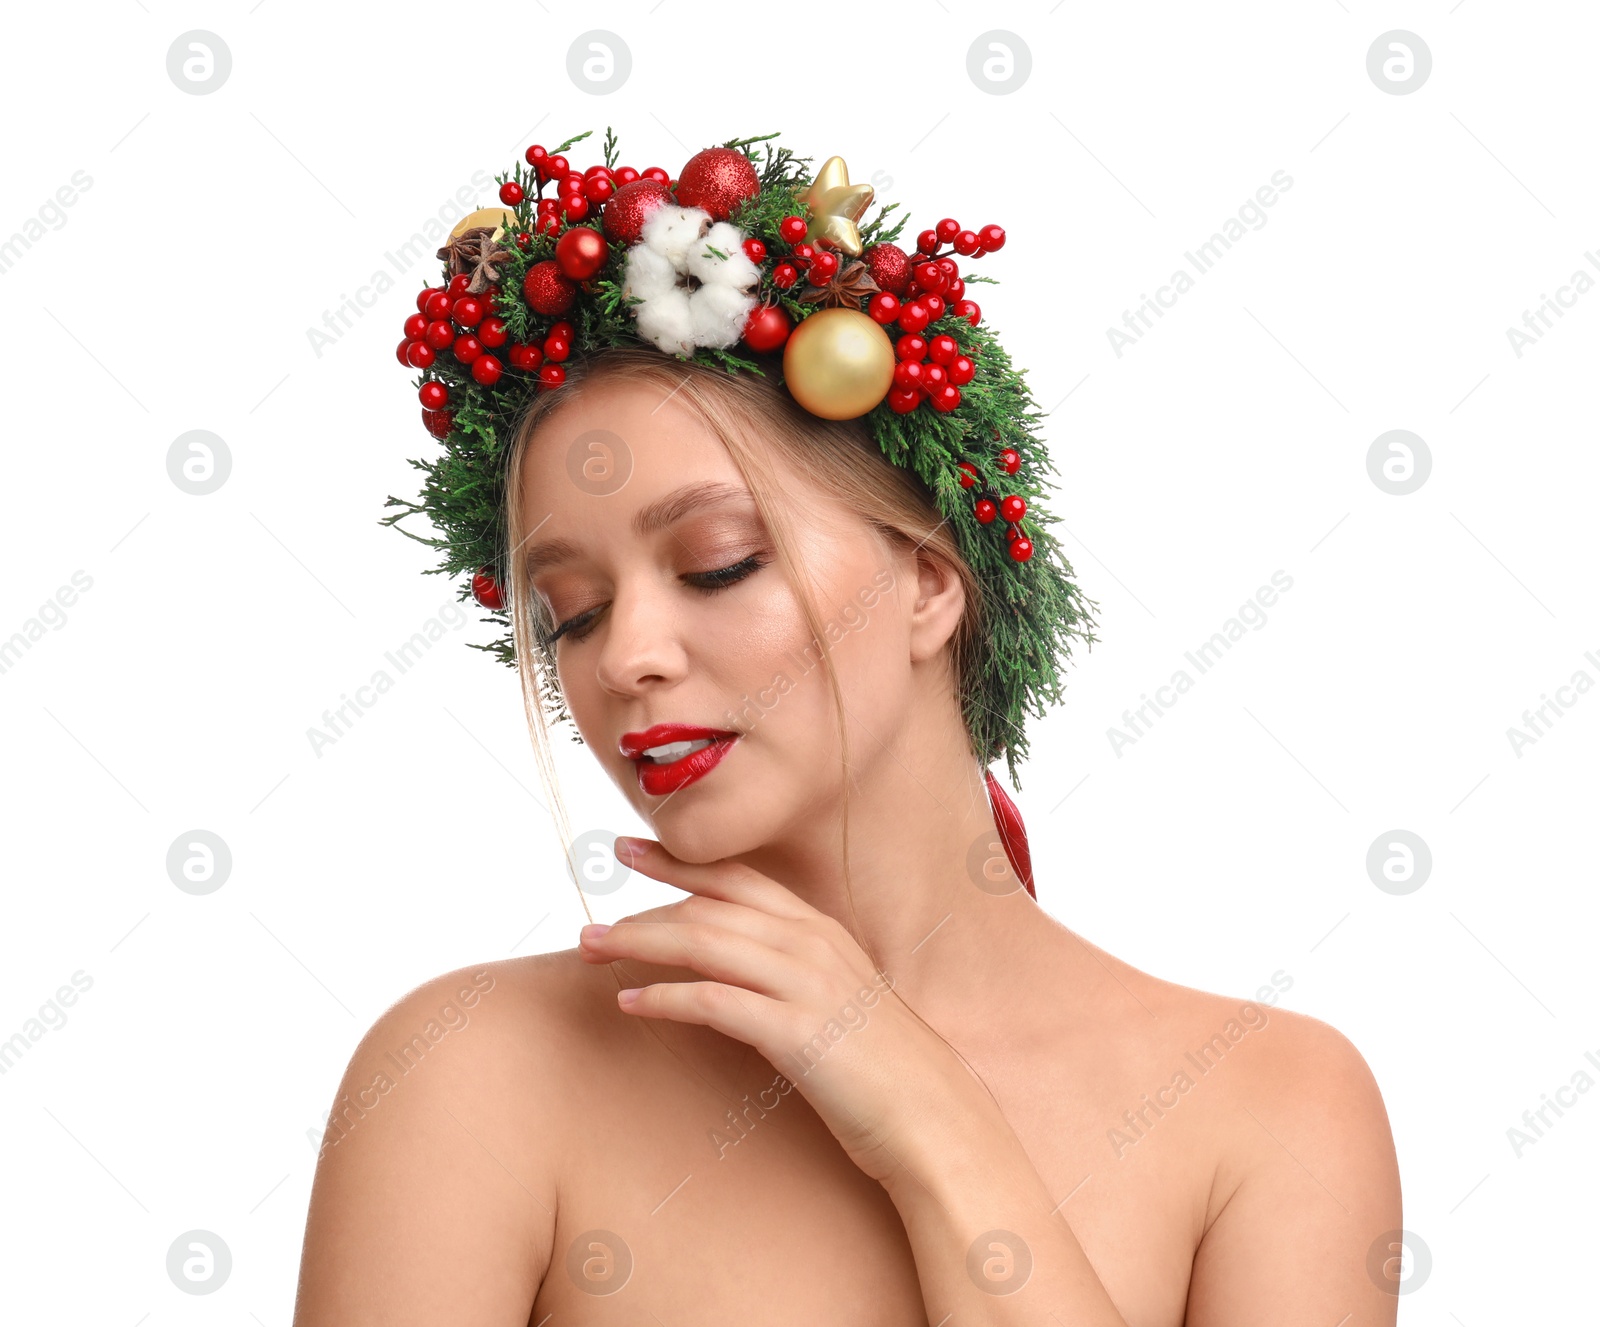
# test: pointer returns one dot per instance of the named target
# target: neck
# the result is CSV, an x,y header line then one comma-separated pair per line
x,y
932,897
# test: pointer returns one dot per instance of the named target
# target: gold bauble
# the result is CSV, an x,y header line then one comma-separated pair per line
x,y
838,363
502,219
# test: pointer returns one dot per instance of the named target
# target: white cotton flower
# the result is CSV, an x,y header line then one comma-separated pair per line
x,y
671,230
695,282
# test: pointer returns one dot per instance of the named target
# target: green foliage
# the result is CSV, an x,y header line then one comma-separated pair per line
x,y
1033,611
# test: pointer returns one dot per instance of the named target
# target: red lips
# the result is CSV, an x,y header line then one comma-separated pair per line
x,y
634,745
661,780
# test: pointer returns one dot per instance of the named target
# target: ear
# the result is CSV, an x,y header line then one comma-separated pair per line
x,y
939,604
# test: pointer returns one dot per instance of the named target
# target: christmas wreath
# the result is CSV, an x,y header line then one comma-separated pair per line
x,y
747,261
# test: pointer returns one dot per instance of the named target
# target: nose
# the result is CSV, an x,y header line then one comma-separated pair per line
x,y
639,646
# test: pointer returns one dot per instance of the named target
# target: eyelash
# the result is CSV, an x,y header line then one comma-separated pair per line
x,y
579,627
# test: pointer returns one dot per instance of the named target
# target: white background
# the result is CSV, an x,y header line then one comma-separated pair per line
x,y
187,1083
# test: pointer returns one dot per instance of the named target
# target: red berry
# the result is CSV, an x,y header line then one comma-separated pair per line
x,y
930,276
458,285
968,310
598,188
555,167
969,474
625,175
903,400
785,275
961,370
492,331
1010,460
419,354
1013,509
548,224
557,347
928,241
948,229
487,369
945,399
576,206
791,230
467,348
914,316
424,295
485,589
467,311
992,238
910,347
433,395
955,290
985,511
1021,549
438,305
548,205
401,350
909,373
440,334
563,329
935,306
510,193
524,239
966,242
883,308
803,253
571,183
416,325
942,349
438,422
526,357
535,156
949,267
657,174
933,378
754,250
825,262
552,375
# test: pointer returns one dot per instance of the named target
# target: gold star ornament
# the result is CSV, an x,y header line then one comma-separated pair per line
x,y
836,205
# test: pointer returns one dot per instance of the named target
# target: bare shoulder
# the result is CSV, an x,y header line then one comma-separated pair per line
x,y
436,1187
1305,1188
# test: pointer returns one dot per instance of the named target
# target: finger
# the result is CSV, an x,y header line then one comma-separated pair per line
x,y
737,917
743,1015
714,951
732,881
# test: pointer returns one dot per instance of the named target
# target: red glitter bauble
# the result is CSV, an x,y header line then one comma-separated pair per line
x,y
718,180
546,290
629,206
767,328
438,422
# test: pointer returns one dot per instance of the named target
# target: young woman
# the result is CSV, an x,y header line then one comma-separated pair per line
x,y
856,1074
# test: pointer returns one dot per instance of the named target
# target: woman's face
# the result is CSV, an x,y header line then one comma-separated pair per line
x,y
670,608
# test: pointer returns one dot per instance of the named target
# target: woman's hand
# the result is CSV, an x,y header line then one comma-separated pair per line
x,y
793,983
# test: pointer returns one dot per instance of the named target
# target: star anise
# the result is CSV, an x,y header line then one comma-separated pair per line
x,y
476,251
849,286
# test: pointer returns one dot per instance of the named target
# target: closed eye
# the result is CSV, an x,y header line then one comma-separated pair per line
x,y
707,582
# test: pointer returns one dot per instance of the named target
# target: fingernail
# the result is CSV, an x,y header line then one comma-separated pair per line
x,y
627,997
592,932
626,847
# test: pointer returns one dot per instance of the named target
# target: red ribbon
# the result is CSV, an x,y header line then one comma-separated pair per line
x,y
1013,837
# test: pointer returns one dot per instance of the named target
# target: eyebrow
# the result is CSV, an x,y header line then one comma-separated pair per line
x,y
658,515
